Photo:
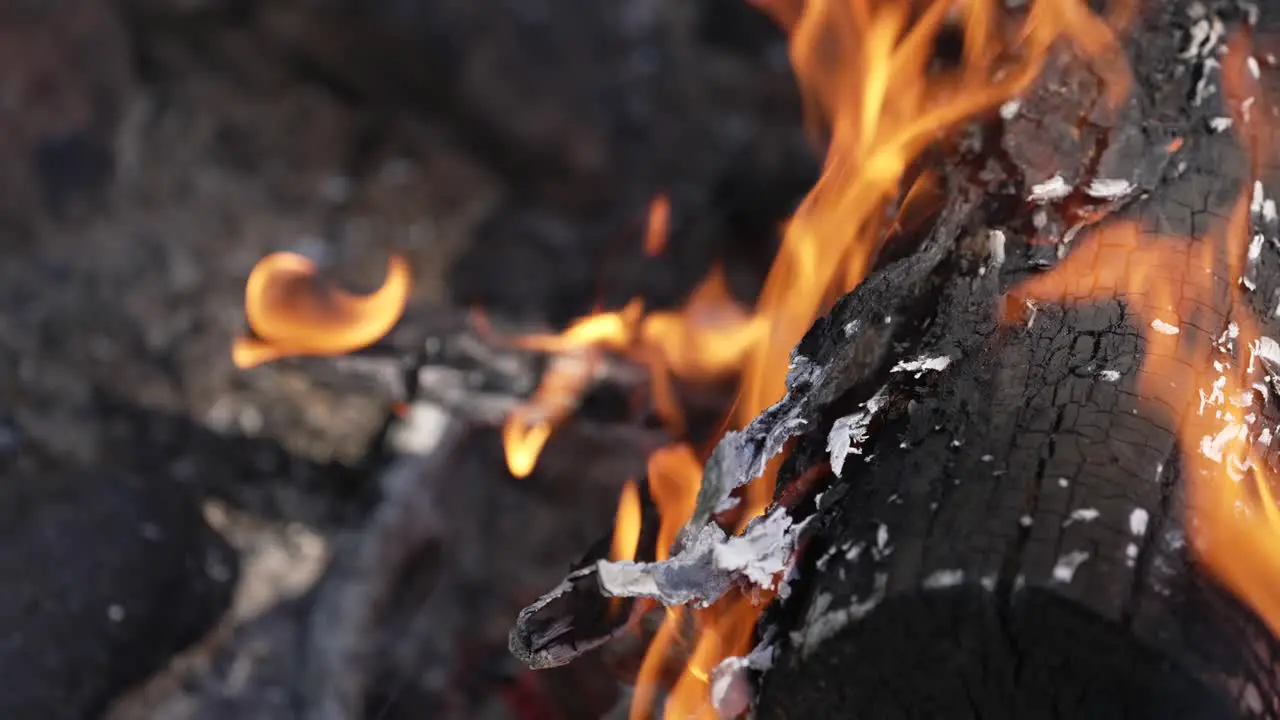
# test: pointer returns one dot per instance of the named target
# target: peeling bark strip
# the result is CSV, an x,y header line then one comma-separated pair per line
x,y
1009,541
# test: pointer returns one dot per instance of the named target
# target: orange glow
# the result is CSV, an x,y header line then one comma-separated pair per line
x,y
874,91
626,525
1204,376
292,315
529,426
655,236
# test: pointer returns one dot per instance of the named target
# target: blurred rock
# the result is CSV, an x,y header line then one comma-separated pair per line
x,y
65,80
106,575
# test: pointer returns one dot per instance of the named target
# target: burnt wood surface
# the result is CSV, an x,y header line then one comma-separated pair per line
x,y
928,589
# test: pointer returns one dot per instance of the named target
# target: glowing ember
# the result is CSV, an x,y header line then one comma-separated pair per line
x,y
291,314
1200,363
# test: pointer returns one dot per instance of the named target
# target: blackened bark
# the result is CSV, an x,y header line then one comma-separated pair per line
x,y
1012,543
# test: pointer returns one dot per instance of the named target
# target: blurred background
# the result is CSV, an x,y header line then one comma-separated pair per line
x,y
166,515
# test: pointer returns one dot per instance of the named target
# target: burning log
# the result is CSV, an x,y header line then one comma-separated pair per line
x,y
1052,493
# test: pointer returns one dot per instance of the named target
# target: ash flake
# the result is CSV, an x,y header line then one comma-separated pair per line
x,y
1138,521
849,432
1108,188
1164,328
1065,570
942,579
920,366
1220,124
1055,188
1109,375
1082,515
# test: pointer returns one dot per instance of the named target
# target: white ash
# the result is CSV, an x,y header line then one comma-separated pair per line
x,y
1255,199
689,575
1009,110
1264,437
920,366
987,458
1131,553
1246,106
1205,86
1109,375
1108,188
852,327
849,432
1164,328
1255,247
1269,213
882,539
708,563
1064,482
1213,447
731,690
854,551
762,551
822,623
1055,188
1220,124
1138,521
1252,64
995,250
1082,515
1025,521
941,579
1065,570
1265,349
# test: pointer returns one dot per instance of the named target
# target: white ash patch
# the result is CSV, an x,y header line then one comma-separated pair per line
x,y
941,579
1164,328
1138,520
1205,86
882,547
1025,521
1082,515
1265,349
1055,188
920,366
1109,375
988,583
1009,110
731,688
1246,107
822,623
849,432
761,552
1108,188
1130,554
1064,482
1065,570
1212,447
995,251
1220,124
1251,63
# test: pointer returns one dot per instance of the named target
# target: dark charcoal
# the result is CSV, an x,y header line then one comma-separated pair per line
x,y
975,472
106,576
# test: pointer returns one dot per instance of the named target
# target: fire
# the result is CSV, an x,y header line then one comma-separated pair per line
x,y
1201,363
874,91
292,315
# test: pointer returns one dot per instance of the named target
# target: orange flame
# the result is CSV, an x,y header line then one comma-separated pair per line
x,y
626,526
1181,288
871,86
655,236
292,315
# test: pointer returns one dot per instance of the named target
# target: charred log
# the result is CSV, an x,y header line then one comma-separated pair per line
x,y
1012,542
1006,535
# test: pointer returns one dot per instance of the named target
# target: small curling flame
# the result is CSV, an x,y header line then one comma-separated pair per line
x,y
291,314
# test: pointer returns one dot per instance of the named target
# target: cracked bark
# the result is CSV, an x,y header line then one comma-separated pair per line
x,y
1026,456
